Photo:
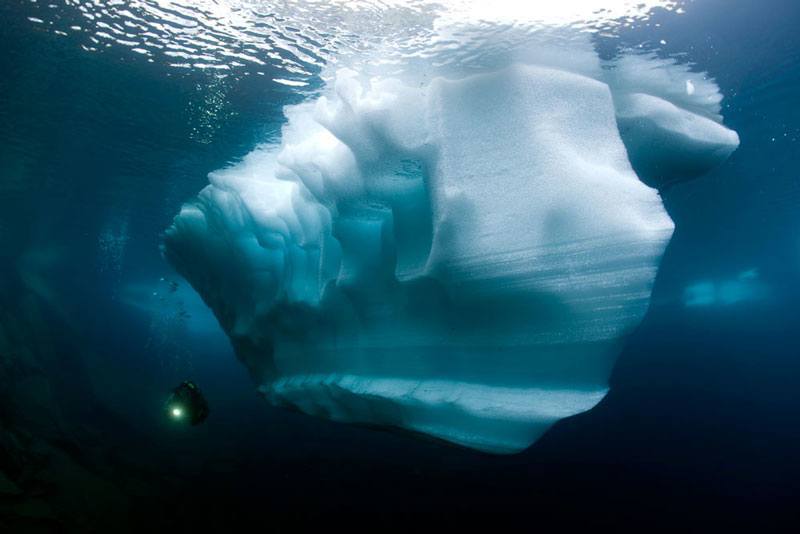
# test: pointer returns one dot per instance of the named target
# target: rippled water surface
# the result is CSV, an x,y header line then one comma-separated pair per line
x,y
293,41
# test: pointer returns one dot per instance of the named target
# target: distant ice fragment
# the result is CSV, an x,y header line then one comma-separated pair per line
x,y
462,256
747,286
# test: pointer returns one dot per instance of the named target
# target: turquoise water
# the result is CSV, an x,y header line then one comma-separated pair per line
x,y
113,114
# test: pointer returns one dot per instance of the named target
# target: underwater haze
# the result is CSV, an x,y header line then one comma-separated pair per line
x,y
431,264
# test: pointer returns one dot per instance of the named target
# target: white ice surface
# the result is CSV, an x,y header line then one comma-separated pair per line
x,y
460,256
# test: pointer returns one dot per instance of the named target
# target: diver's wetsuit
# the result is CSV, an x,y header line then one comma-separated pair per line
x,y
188,398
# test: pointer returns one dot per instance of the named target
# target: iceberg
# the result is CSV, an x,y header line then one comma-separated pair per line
x,y
460,255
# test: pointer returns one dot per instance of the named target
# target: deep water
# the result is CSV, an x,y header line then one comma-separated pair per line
x,y
99,149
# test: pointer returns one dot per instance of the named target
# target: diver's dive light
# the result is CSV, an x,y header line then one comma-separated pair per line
x,y
186,403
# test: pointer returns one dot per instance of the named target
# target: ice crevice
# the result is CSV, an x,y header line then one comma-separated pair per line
x,y
461,257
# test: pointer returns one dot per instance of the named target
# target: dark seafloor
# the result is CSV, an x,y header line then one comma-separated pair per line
x,y
701,429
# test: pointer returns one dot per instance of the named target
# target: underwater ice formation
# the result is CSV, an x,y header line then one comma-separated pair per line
x,y
460,256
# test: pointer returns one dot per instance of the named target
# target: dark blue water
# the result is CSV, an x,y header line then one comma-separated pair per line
x,y
99,148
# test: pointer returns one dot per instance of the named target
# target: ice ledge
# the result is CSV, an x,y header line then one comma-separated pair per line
x,y
496,419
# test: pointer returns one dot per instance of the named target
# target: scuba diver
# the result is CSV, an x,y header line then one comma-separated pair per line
x,y
187,403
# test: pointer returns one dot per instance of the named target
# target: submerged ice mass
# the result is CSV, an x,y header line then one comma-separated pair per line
x,y
460,255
